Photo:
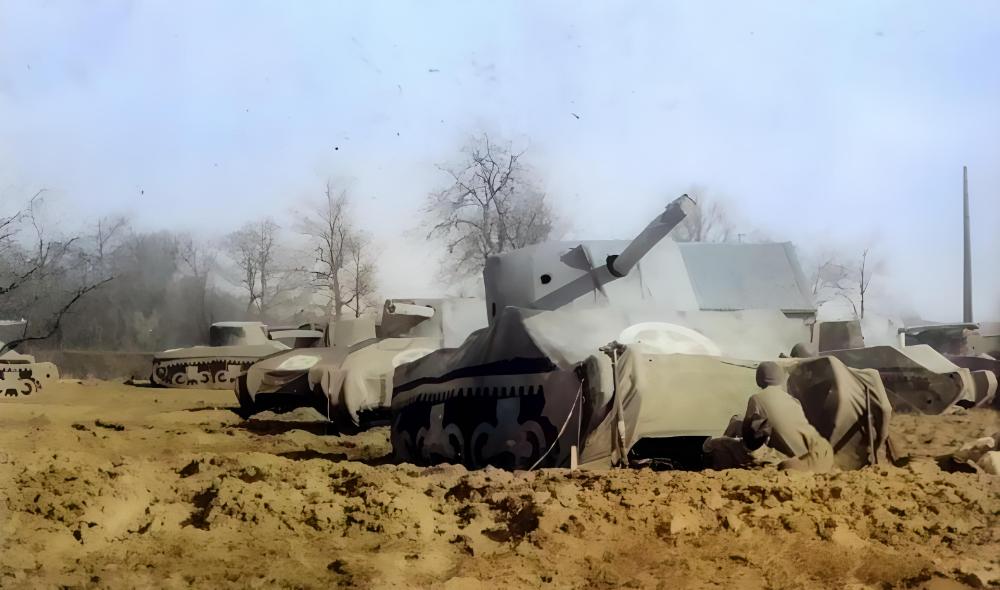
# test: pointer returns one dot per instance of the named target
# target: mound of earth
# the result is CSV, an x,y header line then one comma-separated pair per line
x,y
105,485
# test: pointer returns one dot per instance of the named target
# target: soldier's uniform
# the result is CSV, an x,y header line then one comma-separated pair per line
x,y
775,418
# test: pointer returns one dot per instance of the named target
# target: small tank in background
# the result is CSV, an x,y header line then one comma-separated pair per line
x,y
21,375
233,347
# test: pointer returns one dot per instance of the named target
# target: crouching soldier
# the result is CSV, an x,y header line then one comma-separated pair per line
x,y
775,420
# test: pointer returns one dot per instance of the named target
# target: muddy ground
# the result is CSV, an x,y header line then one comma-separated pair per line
x,y
107,485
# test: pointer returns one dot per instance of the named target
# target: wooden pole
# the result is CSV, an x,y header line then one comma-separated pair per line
x,y
967,276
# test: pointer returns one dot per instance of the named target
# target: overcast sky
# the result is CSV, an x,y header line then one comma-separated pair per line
x,y
841,123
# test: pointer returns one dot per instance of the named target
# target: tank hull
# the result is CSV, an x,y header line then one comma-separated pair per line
x,y
22,379
208,367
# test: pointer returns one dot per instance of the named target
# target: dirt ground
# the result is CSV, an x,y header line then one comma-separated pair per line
x,y
107,485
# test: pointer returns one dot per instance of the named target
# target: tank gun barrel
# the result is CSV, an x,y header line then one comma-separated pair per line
x,y
657,229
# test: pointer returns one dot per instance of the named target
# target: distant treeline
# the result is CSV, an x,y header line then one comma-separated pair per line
x,y
131,292
105,286
109,287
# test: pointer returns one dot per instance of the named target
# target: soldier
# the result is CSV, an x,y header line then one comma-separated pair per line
x,y
775,418
804,350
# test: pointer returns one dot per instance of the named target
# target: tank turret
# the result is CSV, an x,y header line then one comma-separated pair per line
x,y
552,275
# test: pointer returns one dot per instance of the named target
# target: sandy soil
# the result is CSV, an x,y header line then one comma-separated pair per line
x,y
106,485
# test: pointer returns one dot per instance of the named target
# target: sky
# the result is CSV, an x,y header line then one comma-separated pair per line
x,y
840,125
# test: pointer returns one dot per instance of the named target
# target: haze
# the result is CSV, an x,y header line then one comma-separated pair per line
x,y
846,123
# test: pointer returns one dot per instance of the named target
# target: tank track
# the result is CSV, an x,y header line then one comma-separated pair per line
x,y
214,373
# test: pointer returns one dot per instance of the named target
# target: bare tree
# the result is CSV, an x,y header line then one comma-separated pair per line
x,y
51,324
108,232
859,279
41,279
708,222
196,261
866,270
159,299
361,283
10,225
31,258
829,277
257,255
343,270
195,258
328,226
492,205
832,278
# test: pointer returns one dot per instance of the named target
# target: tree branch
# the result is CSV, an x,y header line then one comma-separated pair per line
x,y
57,319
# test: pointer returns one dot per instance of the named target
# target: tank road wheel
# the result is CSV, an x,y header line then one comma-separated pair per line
x,y
158,376
28,386
179,379
477,444
8,386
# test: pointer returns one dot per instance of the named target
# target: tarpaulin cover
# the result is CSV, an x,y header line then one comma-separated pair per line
x,y
664,396
529,351
354,375
288,372
362,382
297,371
568,336
916,378
848,407
499,399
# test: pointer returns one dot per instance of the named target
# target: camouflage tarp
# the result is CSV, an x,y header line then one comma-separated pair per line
x,y
290,378
499,399
849,407
525,390
916,378
678,395
362,382
354,376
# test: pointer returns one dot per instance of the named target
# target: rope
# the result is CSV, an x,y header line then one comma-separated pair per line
x,y
872,451
619,409
579,394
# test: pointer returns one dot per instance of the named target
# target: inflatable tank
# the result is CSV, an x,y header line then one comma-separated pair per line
x,y
519,394
233,347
